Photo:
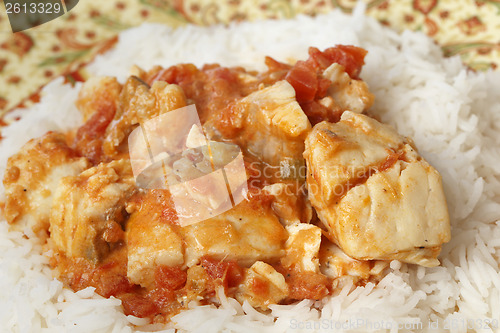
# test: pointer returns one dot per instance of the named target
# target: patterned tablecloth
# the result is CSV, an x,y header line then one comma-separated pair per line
x,y
31,58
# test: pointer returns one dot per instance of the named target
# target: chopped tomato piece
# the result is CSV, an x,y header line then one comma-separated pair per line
x,y
323,85
390,160
234,274
88,140
307,285
171,278
175,74
305,76
304,80
109,279
111,285
351,57
214,268
317,112
274,65
163,298
138,305
228,273
260,287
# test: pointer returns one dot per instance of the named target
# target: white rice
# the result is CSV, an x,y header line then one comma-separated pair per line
x,y
453,116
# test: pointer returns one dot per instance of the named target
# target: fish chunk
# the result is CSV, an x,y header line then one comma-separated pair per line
x,y
139,103
377,197
152,237
96,94
302,247
263,286
31,177
271,124
88,210
335,264
348,94
247,233
290,202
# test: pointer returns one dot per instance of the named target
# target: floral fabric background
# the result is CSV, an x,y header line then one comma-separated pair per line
x,y
31,58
